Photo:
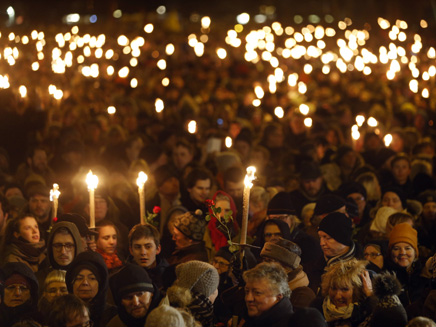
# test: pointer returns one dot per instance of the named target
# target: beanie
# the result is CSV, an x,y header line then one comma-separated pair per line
x,y
17,279
286,252
131,278
328,203
404,233
192,225
165,315
427,196
281,204
381,219
352,187
338,226
198,276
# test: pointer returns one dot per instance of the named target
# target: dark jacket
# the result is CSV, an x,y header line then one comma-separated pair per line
x,y
277,316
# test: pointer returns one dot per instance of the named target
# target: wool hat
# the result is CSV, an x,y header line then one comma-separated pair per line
x,y
192,225
198,276
310,170
381,219
163,173
352,187
286,252
131,278
426,197
165,315
328,203
281,204
404,233
338,226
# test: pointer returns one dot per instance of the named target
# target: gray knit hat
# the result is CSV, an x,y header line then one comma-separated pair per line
x,y
286,252
198,276
165,315
192,225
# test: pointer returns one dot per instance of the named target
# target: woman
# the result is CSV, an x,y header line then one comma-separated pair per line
x,y
54,286
22,242
403,261
269,229
347,289
87,278
107,244
395,198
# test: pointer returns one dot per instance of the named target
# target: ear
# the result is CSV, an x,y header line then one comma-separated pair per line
x,y
158,249
279,297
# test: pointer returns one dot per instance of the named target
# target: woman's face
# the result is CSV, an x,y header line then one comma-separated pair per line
x,y
107,239
225,207
271,231
391,199
372,254
341,296
403,254
85,285
28,230
55,290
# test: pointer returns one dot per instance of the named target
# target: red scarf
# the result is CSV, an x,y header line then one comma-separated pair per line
x,y
112,261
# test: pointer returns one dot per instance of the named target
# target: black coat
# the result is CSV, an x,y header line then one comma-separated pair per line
x,y
277,316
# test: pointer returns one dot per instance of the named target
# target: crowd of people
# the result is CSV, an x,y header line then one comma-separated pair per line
x,y
340,229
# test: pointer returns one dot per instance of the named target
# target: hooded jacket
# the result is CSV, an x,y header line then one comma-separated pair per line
x,y
27,310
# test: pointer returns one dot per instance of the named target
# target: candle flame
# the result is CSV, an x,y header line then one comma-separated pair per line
x,y
54,193
250,177
91,181
142,178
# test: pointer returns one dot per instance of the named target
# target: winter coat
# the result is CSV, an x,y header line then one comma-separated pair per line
x,y
277,316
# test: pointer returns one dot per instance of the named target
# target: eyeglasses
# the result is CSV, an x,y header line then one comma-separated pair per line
x,y
372,255
89,323
68,246
13,288
220,263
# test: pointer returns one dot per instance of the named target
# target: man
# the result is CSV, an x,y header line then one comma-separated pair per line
x,y
40,207
36,163
135,296
288,255
145,249
426,224
69,311
356,192
312,186
198,184
182,154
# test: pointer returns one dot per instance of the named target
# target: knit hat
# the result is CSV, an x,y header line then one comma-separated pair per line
x,y
426,197
131,278
310,170
404,233
198,276
163,173
165,315
381,218
192,225
17,279
286,252
352,187
328,203
281,204
338,226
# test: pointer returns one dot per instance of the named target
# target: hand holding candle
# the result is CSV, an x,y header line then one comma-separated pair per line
x,y
92,182
140,181
54,196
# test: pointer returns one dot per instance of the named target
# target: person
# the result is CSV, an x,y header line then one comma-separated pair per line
x,y
4,215
145,251
401,169
198,184
40,206
288,255
426,224
377,228
266,296
53,287
188,235
165,315
375,252
346,294
201,279
268,230
259,198
22,242
20,296
403,261
182,154
107,241
394,198
69,311
307,317
85,233
421,322
87,277
134,294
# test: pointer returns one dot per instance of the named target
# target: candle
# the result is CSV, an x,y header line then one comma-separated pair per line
x,y
140,181
92,182
54,196
248,182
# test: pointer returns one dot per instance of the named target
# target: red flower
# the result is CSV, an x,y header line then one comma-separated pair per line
x,y
55,219
156,210
209,203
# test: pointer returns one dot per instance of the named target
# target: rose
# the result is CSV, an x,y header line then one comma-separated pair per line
x,y
209,203
156,210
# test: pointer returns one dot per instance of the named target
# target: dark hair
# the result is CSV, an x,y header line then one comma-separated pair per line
x,y
13,225
196,175
398,157
234,174
139,231
64,308
184,143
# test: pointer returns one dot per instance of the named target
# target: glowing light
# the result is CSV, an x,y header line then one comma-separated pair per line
x,y
355,135
111,110
431,53
169,49
192,127
372,122
23,91
413,85
307,69
425,93
360,120
35,66
148,28
302,88
279,112
387,139
58,94
159,105
110,70
162,64
304,109
205,22
221,53
123,72
228,142
165,81
256,102
133,83
259,92
199,49
243,18
308,122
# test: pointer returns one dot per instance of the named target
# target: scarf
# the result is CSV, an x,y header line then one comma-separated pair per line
x,y
202,309
332,313
32,253
112,260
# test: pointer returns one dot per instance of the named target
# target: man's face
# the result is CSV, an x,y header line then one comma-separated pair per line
x,y
330,246
16,294
64,249
137,303
401,171
181,157
360,201
429,211
259,297
39,205
144,251
39,161
312,186
235,189
200,191
271,231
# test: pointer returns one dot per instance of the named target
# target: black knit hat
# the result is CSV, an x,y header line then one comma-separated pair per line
x,y
281,204
338,226
131,278
328,203
427,196
352,187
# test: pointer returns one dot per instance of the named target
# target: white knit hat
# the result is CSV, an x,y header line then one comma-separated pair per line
x,y
165,315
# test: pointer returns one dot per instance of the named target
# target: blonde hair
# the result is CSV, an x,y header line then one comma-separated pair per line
x,y
345,274
55,276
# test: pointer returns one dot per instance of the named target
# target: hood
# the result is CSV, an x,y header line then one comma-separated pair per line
x,y
24,270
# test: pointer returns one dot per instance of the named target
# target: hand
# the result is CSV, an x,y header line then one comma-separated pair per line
x,y
366,283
